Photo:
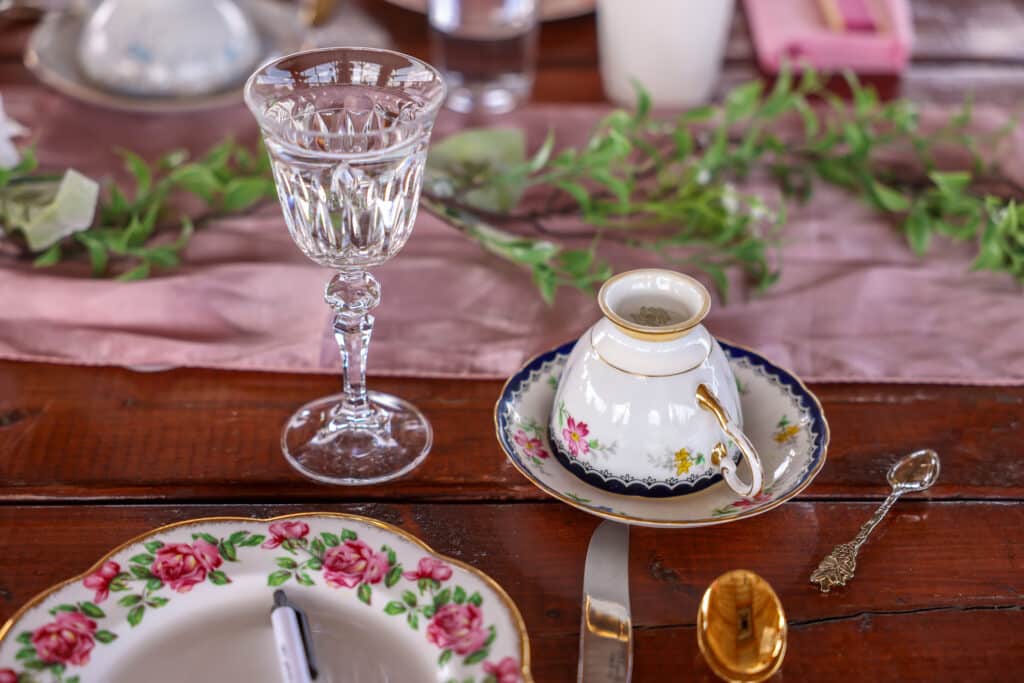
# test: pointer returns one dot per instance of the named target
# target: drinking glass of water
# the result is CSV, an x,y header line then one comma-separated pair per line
x,y
347,132
487,51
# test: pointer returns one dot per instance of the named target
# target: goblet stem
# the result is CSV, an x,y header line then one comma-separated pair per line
x,y
353,293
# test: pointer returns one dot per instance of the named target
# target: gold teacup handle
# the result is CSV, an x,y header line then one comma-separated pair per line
x,y
707,401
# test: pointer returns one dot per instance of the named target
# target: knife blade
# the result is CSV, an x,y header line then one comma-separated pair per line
x,y
606,631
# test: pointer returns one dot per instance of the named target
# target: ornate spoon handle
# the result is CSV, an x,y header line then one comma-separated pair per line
x,y
839,565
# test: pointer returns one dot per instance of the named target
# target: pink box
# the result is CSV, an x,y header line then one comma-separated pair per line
x,y
796,31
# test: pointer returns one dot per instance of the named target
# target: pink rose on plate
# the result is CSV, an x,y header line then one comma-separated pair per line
x,y
100,579
505,671
459,627
352,563
430,568
67,640
8,676
534,447
182,566
575,435
285,531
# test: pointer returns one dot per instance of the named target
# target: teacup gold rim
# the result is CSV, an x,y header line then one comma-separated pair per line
x,y
651,332
506,600
653,523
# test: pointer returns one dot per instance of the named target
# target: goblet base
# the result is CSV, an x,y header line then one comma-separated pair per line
x,y
325,442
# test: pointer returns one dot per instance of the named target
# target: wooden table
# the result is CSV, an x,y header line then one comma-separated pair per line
x,y
92,456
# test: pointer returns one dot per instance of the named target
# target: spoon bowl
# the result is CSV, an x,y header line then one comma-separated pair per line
x,y
741,628
915,472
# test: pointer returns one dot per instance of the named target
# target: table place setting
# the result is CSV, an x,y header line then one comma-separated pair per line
x,y
641,366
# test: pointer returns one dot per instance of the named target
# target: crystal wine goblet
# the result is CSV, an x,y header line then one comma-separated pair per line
x,y
347,131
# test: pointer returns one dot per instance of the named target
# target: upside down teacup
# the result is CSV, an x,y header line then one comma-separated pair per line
x,y
647,403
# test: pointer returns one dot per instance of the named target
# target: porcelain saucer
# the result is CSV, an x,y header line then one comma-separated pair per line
x,y
781,416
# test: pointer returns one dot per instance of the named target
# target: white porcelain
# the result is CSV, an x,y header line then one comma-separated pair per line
x,y
673,48
782,417
168,47
647,404
191,602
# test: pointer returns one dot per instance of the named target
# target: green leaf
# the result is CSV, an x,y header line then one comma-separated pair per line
x,y
741,102
428,611
643,101
577,191
486,167
105,636
478,656
286,563
413,620
546,281
218,578
347,535
140,572
475,599
918,232
227,551
135,615
279,577
409,597
951,184
48,258
888,198
25,653
98,257
139,272
197,179
697,115
543,153
140,171
154,584
304,579
25,637
363,593
442,598
91,610
242,193
143,559
459,596
445,656
393,576
237,537
492,633
392,557
156,601
330,539
255,539
394,607
153,546
313,564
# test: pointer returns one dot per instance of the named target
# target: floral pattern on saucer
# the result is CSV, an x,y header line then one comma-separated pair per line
x,y
65,636
782,417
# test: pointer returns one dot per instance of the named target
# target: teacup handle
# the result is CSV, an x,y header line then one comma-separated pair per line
x,y
707,401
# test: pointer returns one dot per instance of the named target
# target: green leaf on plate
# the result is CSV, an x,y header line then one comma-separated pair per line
x,y
91,610
143,559
279,577
153,546
392,558
154,584
105,636
135,615
475,599
155,601
26,653
227,551
445,656
442,598
330,539
459,596
255,539
238,537
129,600
286,563
363,592
304,579
413,620
394,607
409,597
478,656
219,578
348,535
24,637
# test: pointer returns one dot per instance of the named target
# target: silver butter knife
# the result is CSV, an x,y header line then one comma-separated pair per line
x,y
606,632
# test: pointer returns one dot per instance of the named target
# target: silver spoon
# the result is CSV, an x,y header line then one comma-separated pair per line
x,y
910,474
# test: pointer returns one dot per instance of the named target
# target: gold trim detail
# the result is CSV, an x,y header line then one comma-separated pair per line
x,y
705,521
517,618
653,333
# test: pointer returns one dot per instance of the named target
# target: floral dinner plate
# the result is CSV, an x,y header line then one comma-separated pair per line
x,y
191,602
781,417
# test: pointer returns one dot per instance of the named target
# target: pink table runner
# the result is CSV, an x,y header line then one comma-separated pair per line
x,y
853,303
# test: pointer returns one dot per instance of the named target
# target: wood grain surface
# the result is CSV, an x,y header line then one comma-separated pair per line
x,y
90,457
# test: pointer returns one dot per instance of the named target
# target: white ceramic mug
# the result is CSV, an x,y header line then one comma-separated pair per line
x,y
673,48
647,403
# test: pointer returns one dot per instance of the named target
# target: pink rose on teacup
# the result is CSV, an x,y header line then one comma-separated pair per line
x,y
67,640
100,579
352,563
8,676
430,568
505,671
182,566
459,627
285,531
